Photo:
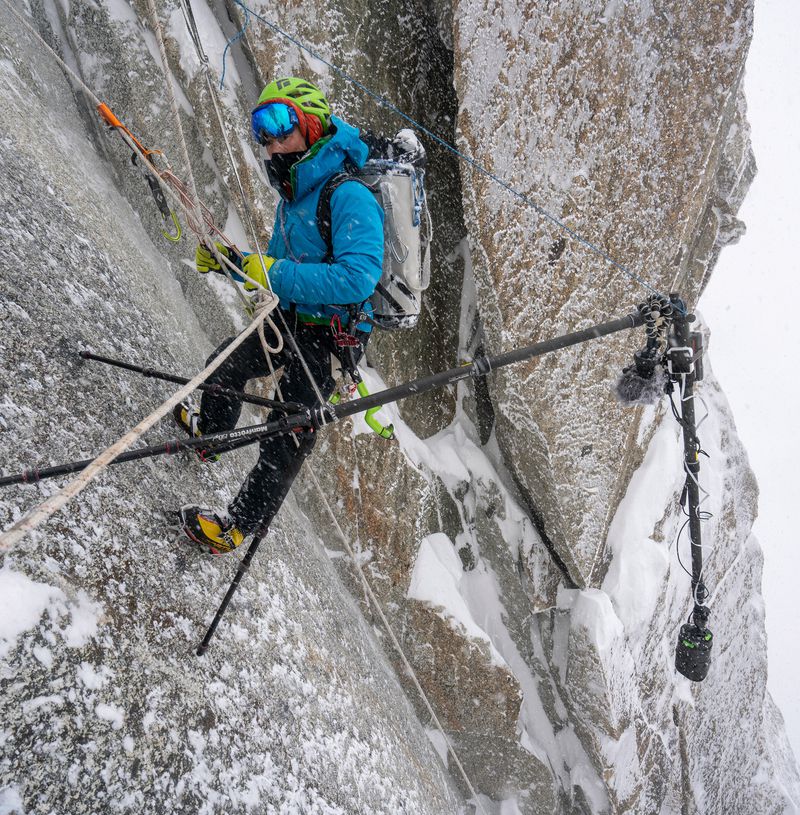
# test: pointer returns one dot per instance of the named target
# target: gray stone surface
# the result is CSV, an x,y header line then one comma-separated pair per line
x,y
105,707
625,120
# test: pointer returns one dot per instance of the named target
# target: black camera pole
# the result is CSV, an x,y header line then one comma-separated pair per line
x,y
321,415
693,650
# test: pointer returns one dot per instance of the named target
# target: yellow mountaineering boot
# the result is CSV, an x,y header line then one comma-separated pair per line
x,y
187,418
210,529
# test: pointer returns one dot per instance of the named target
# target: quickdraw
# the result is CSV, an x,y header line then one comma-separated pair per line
x,y
342,338
347,341
139,150
199,218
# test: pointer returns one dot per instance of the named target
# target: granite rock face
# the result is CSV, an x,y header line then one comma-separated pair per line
x,y
519,533
621,117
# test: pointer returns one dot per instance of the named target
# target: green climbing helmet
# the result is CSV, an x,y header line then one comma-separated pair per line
x,y
305,96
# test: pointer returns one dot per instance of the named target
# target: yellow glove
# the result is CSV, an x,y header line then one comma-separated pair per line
x,y
256,267
205,261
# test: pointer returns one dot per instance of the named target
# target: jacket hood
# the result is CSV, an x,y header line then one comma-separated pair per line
x,y
328,157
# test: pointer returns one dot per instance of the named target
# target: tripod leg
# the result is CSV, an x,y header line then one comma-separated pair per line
x,y
243,567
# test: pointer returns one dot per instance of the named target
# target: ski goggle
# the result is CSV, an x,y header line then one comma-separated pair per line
x,y
273,120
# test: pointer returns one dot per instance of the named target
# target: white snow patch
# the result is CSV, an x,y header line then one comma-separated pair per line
x,y
316,65
44,655
640,565
91,678
54,699
111,713
582,773
439,743
435,580
592,611
234,228
11,802
213,41
22,603
85,617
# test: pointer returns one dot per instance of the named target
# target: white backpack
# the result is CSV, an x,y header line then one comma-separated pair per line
x,y
394,173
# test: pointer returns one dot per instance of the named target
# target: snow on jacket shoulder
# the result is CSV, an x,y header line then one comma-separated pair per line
x,y
299,276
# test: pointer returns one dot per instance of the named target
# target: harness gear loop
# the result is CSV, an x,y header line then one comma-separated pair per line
x,y
350,368
342,338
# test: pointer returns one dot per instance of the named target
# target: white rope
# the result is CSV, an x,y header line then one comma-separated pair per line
x,y
204,235
50,506
195,35
210,82
171,99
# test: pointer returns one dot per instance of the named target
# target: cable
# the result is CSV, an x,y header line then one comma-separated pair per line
x,y
236,37
701,515
398,647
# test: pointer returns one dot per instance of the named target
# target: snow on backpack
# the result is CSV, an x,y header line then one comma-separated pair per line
x,y
394,173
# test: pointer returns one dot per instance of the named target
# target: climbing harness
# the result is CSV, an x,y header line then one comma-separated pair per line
x,y
347,342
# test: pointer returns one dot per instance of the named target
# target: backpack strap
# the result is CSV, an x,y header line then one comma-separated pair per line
x,y
324,218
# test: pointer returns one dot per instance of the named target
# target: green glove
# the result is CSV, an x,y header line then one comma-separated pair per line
x,y
205,261
256,267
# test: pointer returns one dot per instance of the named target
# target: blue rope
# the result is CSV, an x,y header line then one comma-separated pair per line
x,y
234,39
506,186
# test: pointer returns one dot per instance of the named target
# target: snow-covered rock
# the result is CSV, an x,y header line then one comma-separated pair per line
x,y
519,533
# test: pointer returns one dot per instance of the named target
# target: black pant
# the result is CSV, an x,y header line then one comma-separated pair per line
x,y
280,459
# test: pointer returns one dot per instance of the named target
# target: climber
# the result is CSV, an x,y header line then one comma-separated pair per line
x,y
303,146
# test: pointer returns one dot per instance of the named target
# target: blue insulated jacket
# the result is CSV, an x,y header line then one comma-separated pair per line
x,y
299,276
